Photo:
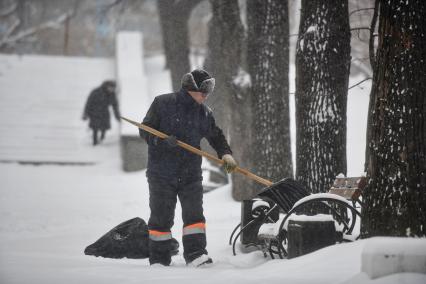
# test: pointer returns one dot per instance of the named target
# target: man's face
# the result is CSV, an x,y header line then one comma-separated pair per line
x,y
199,97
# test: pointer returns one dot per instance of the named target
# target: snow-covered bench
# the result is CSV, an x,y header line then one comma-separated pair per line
x,y
341,204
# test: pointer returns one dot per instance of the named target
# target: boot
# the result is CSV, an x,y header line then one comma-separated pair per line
x,y
201,261
103,134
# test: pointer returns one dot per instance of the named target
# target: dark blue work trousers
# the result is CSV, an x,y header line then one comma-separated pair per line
x,y
162,201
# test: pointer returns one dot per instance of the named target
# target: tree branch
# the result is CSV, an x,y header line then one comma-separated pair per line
x,y
11,29
8,11
52,24
107,7
360,28
115,3
359,10
360,82
372,35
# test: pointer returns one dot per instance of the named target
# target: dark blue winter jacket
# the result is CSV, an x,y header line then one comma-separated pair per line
x,y
180,115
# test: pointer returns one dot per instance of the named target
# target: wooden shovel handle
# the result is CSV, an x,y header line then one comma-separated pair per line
x,y
199,152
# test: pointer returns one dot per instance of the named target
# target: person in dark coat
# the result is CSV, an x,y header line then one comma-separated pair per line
x,y
174,172
96,109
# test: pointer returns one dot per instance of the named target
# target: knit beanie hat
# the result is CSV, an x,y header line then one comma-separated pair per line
x,y
198,81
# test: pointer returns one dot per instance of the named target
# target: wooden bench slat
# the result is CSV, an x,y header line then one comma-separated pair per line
x,y
349,187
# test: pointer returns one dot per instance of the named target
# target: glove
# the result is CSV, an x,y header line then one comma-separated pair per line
x,y
229,163
171,141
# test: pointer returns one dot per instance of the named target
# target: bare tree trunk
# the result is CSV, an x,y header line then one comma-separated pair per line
x,y
322,70
268,64
241,139
174,16
226,34
395,198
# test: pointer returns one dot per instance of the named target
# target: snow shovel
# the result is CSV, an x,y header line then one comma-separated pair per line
x,y
293,192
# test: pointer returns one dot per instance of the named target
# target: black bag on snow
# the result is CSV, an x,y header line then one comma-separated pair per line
x,y
128,239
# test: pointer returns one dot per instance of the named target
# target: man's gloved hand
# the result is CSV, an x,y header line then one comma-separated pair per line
x,y
171,141
229,163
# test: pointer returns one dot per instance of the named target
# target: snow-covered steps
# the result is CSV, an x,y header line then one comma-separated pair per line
x,y
42,99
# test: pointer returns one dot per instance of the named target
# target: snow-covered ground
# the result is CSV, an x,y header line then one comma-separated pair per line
x,y
50,213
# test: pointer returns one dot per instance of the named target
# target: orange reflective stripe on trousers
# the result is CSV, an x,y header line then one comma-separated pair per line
x,y
159,236
197,228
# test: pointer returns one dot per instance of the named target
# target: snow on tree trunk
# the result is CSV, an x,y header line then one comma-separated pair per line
x,y
226,34
268,58
174,16
322,74
395,198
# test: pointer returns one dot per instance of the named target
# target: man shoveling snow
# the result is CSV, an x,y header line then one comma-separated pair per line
x,y
174,172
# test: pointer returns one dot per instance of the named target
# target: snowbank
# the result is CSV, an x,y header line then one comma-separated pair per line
x,y
385,256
